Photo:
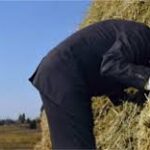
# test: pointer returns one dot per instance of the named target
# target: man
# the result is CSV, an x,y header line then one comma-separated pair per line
x,y
102,58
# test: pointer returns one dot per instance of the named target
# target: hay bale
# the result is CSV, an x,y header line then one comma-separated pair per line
x,y
45,143
124,127
143,131
137,10
115,126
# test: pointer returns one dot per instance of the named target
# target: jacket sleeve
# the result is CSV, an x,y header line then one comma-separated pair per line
x,y
118,63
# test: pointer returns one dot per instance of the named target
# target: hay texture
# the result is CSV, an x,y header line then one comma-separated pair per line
x,y
127,126
45,143
137,10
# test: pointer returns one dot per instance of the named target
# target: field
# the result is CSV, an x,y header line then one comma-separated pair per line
x,y
16,137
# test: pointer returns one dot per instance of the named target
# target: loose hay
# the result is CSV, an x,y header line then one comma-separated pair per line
x,y
127,126
143,131
115,126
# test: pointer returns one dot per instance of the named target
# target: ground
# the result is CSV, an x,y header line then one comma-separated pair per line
x,y
18,137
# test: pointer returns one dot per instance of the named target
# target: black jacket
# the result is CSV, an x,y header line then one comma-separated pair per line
x,y
111,51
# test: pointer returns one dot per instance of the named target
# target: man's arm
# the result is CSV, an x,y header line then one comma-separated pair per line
x,y
118,65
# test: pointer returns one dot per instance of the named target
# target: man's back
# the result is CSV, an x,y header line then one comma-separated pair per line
x,y
97,39
99,59
89,46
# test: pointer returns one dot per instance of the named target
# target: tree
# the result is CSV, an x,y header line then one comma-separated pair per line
x,y
28,120
22,118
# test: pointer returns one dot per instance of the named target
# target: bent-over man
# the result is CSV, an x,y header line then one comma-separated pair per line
x,y
102,58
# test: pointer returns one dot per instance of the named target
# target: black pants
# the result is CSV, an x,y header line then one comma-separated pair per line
x,y
67,101
66,98
71,122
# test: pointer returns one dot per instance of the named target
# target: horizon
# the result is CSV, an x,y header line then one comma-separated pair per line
x,y
28,31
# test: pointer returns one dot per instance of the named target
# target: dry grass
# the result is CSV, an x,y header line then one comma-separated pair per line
x,y
14,137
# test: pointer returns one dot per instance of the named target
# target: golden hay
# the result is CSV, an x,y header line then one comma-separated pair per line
x,y
143,131
137,10
45,143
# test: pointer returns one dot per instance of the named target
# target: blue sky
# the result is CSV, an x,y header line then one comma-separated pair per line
x,y
28,30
